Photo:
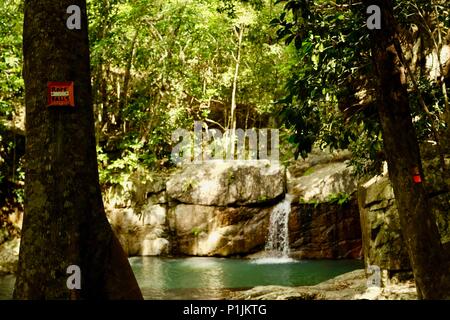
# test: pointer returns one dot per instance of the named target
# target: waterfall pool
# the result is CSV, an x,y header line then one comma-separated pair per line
x,y
214,278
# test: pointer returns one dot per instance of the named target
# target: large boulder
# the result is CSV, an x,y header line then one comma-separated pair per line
x,y
135,189
9,256
225,183
141,233
137,211
218,231
321,182
325,231
381,233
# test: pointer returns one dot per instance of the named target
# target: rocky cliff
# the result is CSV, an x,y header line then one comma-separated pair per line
x,y
325,230
223,209
212,209
381,233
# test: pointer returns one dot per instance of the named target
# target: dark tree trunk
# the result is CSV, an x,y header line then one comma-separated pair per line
x,y
418,224
65,222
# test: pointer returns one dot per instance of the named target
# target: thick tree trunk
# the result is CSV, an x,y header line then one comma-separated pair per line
x,y
64,222
419,229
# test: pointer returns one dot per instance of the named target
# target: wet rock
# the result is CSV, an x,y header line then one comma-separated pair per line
x,y
325,231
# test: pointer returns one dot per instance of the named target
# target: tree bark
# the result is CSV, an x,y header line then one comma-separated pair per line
x,y
239,31
64,222
129,65
419,229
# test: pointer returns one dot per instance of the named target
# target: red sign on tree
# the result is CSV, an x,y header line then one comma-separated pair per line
x,y
60,94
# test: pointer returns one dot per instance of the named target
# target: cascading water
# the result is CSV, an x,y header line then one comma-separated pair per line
x,y
278,240
277,245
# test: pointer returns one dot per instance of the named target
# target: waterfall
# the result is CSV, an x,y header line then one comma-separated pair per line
x,y
277,244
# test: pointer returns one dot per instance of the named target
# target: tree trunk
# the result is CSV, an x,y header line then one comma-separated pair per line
x,y
64,222
129,65
418,224
239,35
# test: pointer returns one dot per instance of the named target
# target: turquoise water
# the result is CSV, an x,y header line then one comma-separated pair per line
x,y
214,278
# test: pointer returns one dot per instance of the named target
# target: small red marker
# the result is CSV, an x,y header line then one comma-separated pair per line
x,y
417,178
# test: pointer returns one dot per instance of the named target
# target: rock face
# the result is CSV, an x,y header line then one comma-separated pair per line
x,y
325,231
321,176
223,208
380,224
9,256
349,286
382,239
144,234
213,209
218,231
319,229
209,209
137,212
323,181
222,183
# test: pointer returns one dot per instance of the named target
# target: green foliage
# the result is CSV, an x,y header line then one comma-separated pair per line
x,y
230,177
313,202
340,198
196,231
11,82
262,198
308,172
189,185
330,98
160,65
330,47
115,171
11,104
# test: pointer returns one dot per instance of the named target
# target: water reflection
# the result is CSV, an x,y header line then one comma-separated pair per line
x,y
208,272
215,278
189,278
